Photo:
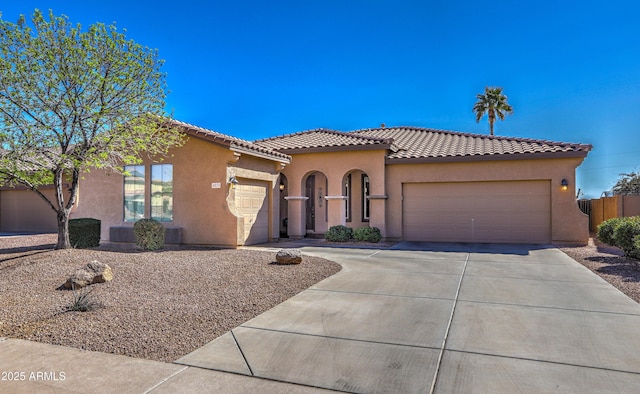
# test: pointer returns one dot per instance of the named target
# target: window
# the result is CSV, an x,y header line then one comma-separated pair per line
x,y
347,202
162,192
365,198
133,193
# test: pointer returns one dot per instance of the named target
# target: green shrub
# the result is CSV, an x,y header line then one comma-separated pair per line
x,y
625,232
367,234
82,301
84,233
339,233
606,229
149,234
635,253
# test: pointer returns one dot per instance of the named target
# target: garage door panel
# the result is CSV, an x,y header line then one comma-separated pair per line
x,y
252,203
516,212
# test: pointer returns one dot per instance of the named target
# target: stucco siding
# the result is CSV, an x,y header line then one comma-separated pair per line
x,y
200,193
568,224
25,211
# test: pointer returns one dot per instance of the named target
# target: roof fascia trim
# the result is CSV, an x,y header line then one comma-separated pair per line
x,y
262,155
340,148
513,156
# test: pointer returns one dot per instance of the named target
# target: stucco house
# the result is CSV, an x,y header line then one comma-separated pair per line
x,y
412,183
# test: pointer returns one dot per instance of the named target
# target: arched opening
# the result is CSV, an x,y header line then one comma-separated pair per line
x,y
356,190
283,190
314,186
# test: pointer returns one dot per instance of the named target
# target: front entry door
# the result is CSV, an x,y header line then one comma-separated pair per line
x,y
311,209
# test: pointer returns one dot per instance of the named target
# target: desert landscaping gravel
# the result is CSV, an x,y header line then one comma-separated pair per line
x,y
159,305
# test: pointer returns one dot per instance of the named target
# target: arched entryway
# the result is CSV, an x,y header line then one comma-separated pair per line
x,y
356,188
314,186
283,189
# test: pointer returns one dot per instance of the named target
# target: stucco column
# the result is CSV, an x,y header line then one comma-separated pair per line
x,y
336,208
377,213
295,221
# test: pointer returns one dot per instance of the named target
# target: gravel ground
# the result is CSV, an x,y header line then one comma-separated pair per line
x,y
608,262
159,306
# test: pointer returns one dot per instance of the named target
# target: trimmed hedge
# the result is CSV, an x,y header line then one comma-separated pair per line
x,y
149,234
339,233
367,234
623,233
84,233
605,230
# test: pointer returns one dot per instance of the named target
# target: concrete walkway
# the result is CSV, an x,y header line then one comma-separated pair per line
x,y
421,318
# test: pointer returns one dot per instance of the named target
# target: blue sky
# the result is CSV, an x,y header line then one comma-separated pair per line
x,y
255,69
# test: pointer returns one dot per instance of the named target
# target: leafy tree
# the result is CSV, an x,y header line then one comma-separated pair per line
x,y
72,100
493,103
628,184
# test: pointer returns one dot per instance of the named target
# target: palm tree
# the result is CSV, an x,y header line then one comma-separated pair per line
x,y
493,103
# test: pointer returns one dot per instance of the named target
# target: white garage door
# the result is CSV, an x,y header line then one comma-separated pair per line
x,y
501,212
253,204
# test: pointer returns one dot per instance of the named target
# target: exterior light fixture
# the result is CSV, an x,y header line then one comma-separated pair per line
x,y
282,187
320,198
564,184
233,181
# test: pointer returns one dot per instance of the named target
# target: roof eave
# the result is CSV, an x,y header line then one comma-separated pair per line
x,y
337,148
494,157
281,158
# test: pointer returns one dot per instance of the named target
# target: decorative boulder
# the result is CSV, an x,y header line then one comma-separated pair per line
x,y
289,256
93,272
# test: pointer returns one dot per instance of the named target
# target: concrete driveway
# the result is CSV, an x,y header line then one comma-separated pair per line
x,y
444,318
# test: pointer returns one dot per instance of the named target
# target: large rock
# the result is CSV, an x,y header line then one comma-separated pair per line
x,y
289,256
93,272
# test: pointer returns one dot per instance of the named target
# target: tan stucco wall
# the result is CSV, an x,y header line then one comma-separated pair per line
x,y
202,211
333,165
24,210
568,223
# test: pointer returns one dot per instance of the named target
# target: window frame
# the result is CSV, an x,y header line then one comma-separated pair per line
x,y
347,201
165,193
366,191
135,199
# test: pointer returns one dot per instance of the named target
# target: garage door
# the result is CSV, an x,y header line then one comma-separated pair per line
x,y
253,204
503,212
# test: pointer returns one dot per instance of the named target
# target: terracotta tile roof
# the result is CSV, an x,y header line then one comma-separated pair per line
x,y
324,140
422,143
233,143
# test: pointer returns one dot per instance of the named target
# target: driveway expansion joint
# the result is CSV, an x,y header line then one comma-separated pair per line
x,y
381,294
541,361
341,338
446,333
242,353
163,381
556,308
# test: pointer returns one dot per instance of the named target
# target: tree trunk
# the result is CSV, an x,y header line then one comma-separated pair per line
x,y
63,210
63,229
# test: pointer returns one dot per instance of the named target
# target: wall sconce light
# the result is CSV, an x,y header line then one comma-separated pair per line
x,y
233,181
320,198
282,187
564,184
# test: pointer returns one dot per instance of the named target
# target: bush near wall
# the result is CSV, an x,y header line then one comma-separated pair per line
x,y
623,233
367,234
339,233
84,233
149,234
